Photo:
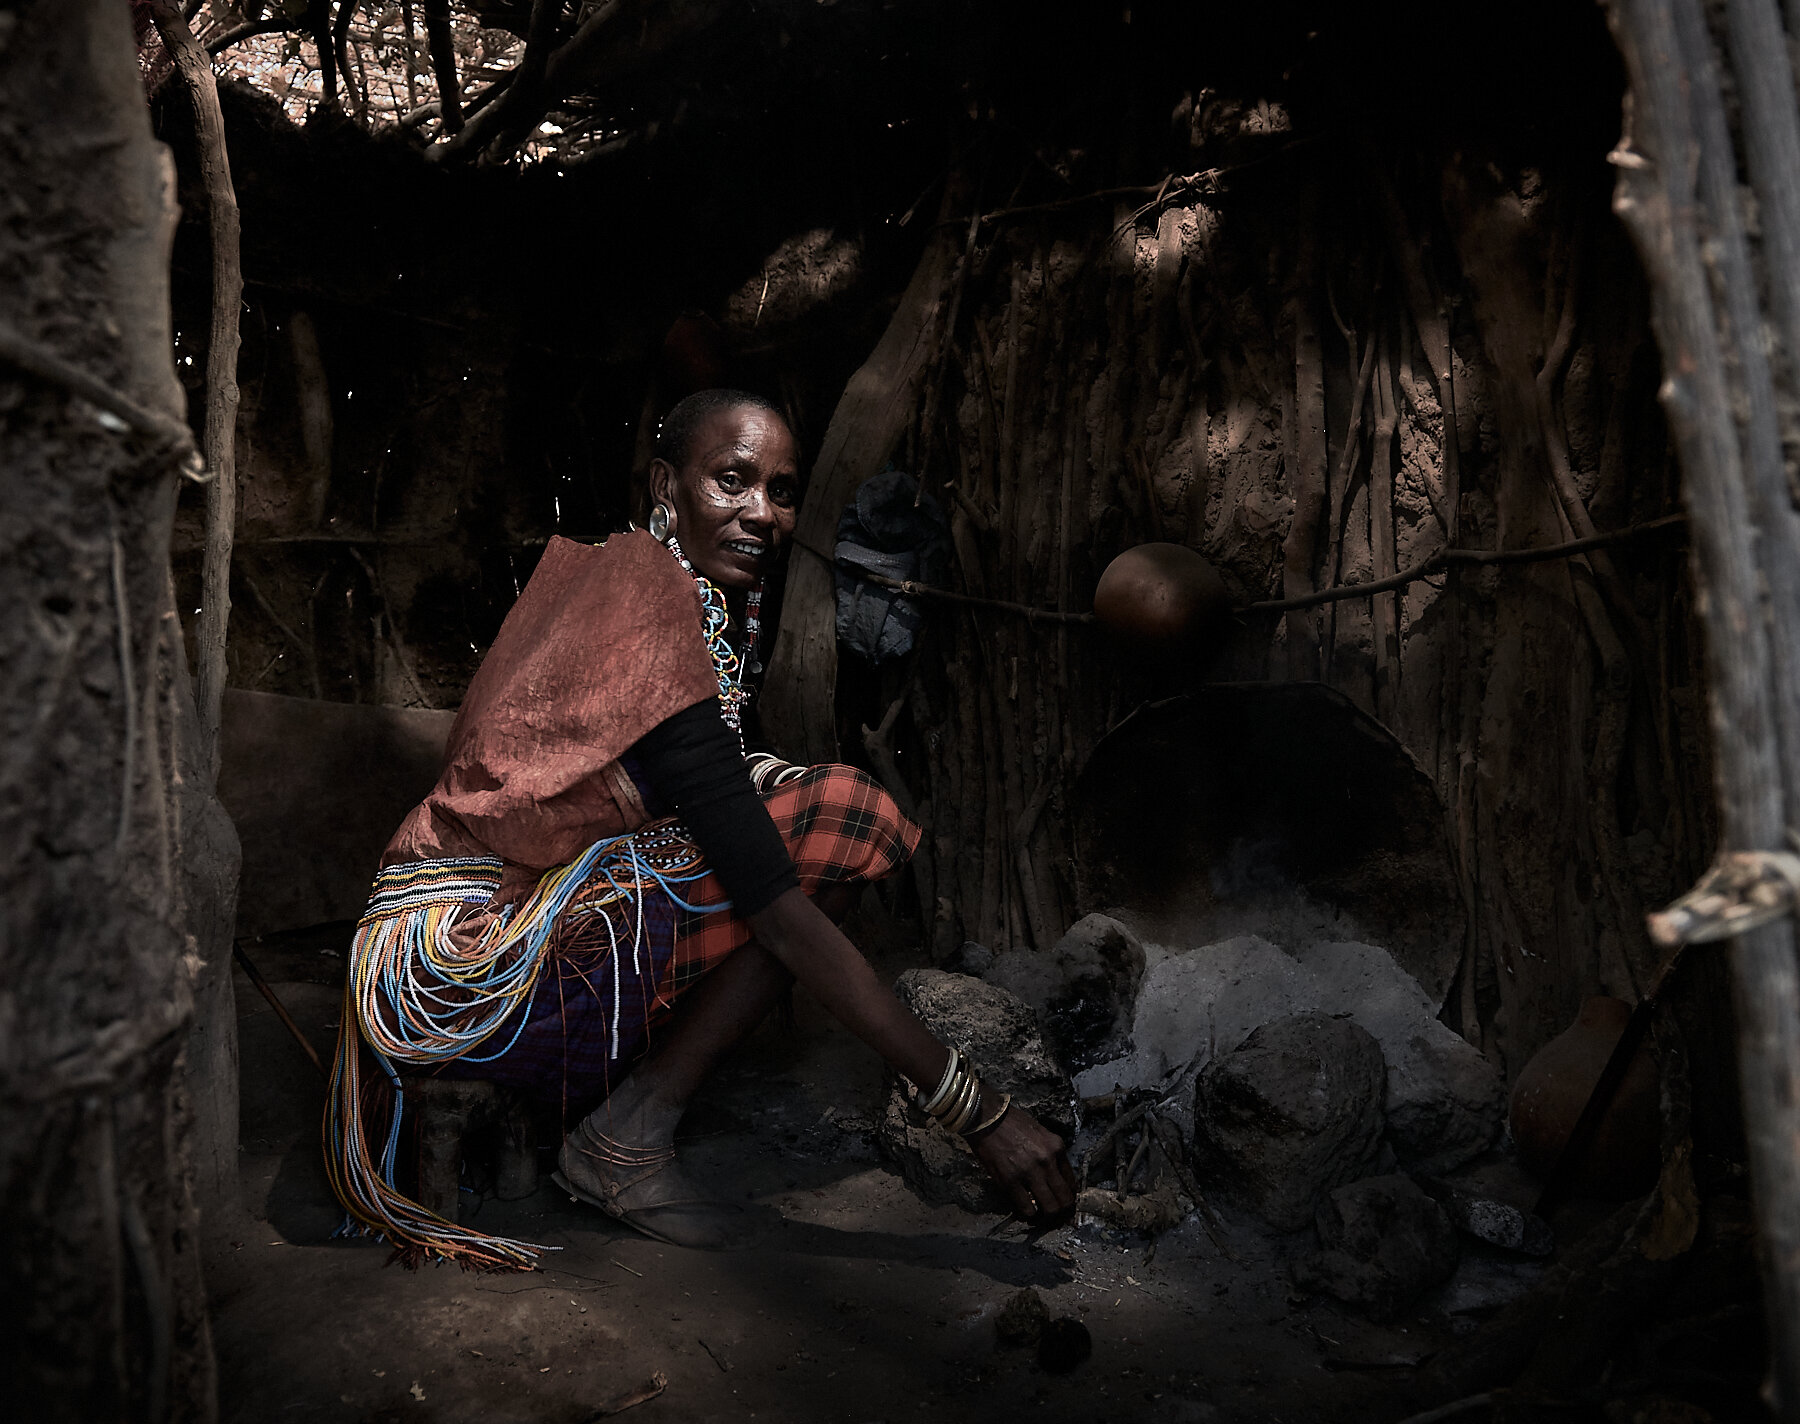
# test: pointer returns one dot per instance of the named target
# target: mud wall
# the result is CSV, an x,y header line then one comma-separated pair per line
x,y
1388,312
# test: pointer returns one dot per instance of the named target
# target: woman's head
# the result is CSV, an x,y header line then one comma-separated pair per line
x,y
727,470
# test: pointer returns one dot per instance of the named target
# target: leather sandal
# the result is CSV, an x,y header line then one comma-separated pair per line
x,y
620,1168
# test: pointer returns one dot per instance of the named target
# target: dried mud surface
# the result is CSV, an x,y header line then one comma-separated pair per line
x,y
861,1304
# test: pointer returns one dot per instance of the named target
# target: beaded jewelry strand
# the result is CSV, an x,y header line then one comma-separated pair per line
x,y
728,663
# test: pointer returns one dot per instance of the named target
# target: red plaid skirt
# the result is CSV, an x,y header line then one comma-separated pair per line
x,y
613,976
841,828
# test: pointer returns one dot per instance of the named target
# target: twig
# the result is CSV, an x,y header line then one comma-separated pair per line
x,y
1384,615
195,69
718,1359
1209,1219
389,632
128,689
1445,557
623,1267
306,651
645,1392
413,117
287,1021
1120,1124
154,1286
39,361
1131,1167
925,590
272,25
1338,491
1451,1410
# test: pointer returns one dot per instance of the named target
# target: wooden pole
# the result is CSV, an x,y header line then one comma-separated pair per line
x,y
195,69
1682,213
100,1240
799,695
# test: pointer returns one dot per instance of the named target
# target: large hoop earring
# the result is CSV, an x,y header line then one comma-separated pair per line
x,y
661,517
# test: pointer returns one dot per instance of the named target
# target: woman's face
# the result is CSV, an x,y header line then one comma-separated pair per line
x,y
736,495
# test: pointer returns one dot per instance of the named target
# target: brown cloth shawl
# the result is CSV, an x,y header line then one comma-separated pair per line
x,y
604,644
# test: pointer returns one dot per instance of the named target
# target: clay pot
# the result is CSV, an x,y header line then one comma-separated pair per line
x,y
1624,1156
1165,599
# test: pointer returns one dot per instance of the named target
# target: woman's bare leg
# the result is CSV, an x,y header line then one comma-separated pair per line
x,y
714,1016
642,1112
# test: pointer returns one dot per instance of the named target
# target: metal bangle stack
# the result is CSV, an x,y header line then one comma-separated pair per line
x,y
958,1099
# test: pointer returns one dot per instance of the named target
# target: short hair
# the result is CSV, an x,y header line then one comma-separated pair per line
x,y
675,436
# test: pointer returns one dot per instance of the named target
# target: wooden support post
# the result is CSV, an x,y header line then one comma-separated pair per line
x,y
195,70
798,697
1682,213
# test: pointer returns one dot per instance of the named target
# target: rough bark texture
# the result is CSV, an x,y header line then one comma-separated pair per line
x,y
194,71
1678,194
98,1228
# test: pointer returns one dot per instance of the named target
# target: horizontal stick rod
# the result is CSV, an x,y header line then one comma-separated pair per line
x,y
1436,563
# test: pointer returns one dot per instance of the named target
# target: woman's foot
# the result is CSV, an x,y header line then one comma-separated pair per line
x,y
636,1180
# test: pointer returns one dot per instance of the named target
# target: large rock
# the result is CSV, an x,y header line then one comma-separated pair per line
x,y
1197,1006
1383,1243
999,1032
1444,1100
1083,990
1292,1112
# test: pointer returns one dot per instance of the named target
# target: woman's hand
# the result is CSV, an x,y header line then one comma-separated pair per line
x,y
1031,1163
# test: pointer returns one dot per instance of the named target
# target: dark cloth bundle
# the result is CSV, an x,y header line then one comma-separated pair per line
x,y
890,530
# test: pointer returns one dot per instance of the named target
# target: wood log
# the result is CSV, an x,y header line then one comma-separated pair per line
x,y
1675,120
99,1246
219,440
798,700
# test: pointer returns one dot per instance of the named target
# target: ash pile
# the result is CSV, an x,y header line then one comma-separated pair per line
x,y
1304,1097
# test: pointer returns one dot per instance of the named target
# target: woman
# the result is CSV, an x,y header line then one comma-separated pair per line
x,y
540,914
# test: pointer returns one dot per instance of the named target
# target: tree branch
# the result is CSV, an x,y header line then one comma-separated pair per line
x,y
1437,562
47,366
443,63
274,24
617,39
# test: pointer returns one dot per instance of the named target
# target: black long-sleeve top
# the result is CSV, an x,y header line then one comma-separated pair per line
x,y
695,768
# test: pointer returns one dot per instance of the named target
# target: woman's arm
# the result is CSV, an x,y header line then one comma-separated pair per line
x,y
1023,1156
693,761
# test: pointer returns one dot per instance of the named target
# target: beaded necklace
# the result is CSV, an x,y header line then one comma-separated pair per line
x,y
727,662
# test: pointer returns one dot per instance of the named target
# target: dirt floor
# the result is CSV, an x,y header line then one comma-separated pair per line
x,y
861,1304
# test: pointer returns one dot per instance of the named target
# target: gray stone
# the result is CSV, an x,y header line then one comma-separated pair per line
x,y
1292,1112
1194,1007
1445,1101
999,1032
1082,990
1499,1223
1383,1243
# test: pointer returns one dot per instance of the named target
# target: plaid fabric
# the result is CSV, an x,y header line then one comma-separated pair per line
x,y
613,975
